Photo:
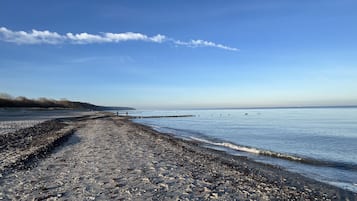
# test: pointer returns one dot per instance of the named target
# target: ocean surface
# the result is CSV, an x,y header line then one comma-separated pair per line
x,y
320,143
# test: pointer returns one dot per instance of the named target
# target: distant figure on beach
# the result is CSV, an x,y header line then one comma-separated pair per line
x,y
126,113
117,113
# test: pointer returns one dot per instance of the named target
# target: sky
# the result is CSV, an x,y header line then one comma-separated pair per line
x,y
181,54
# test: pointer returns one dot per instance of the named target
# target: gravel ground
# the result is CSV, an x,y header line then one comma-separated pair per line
x,y
13,126
12,120
111,158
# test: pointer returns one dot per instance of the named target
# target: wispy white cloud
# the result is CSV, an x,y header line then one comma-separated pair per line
x,y
48,37
119,37
33,37
203,43
85,38
158,38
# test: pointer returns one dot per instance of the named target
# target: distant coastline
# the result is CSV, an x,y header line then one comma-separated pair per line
x,y
44,103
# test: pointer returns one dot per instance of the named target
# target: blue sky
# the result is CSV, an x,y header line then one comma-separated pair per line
x,y
181,54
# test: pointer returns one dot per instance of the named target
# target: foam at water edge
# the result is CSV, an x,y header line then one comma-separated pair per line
x,y
249,149
238,148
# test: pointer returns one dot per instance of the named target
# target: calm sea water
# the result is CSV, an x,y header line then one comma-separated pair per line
x,y
320,143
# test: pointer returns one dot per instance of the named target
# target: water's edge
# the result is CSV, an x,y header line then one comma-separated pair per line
x,y
285,161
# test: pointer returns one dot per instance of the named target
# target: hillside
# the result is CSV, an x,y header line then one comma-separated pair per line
x,y
23,102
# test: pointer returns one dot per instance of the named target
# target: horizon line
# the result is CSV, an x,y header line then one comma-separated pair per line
x,y
260,107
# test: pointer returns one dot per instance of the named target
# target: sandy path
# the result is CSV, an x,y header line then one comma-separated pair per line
x,y
117,160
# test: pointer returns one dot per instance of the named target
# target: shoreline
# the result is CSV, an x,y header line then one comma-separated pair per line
x,y
305,142
127,160
235,160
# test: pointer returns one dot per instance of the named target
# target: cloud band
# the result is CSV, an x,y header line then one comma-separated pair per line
x,y
53,38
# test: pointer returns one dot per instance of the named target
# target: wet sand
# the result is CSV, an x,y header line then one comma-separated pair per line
x,y
111,158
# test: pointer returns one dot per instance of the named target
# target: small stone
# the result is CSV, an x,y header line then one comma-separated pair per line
x,y
214,195
293,188
164,185
308,190
206,190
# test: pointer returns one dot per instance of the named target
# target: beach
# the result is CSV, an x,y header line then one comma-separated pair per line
x,y
101,156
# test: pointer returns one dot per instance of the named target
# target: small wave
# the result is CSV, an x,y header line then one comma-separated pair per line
x,y
257,151
305,160
238,148
155,127
280,155
201,140
199,137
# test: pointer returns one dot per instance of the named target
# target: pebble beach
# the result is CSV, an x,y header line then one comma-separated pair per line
x,y
106,157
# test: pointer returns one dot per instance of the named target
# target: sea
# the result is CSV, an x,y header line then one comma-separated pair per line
x,y
319,143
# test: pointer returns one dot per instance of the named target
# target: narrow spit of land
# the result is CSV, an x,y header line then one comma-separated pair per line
x,y
153,117
111,158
